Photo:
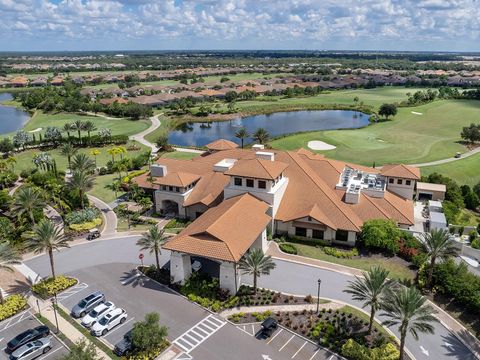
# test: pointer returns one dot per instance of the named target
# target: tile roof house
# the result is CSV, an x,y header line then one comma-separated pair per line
x,y
290,192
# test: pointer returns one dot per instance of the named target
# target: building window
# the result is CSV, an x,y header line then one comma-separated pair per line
x,y
309,218
177,189
399,181
237,181
170,188
390,181
250,183
300,231
262,184
164,188
198,214
341,235
318,234
408,182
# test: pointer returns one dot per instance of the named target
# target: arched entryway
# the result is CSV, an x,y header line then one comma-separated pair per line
x,y
170,208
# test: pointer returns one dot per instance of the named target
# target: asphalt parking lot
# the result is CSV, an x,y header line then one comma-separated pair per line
x,y
24,321
291,344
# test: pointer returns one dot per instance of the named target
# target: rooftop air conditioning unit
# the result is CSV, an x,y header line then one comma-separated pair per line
x,y
158,170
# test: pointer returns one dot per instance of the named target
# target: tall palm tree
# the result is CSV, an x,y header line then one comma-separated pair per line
x,y
28,200
82,163
242,134
79,126
67,127
46,238
82,182
256,263
438,245
407,308
69,150
370,289
261,135
152,241
8,257
89,126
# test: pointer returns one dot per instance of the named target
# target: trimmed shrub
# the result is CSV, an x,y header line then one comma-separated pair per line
x,y
342,254
82,216
86,225
12,305
49,287
288,248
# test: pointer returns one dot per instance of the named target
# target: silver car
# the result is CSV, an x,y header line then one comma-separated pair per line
x,y
88,303
32,349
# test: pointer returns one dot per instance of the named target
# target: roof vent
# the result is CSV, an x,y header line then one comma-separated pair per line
x,y
258,147
224,165
265,155
158,170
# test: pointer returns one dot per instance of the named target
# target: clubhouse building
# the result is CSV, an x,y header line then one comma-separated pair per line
x,y
234,195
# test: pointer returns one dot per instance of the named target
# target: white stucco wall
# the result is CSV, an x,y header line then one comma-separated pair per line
x,y
180,267
405,191
228,279
261,241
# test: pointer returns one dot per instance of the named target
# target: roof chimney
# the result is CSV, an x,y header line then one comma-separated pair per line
x,y
258,147
265,155
158,170
224,165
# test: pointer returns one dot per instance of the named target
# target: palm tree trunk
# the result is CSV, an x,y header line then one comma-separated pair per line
x,y
242,143
430,273
81,199
157,260
1,297
254,283
402,345
372,318
52,265
32,217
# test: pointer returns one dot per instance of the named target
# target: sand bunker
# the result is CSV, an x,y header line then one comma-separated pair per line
x,y
416,113
320,145
36,130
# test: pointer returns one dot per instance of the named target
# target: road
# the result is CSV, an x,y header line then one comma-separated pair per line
x,y
288,277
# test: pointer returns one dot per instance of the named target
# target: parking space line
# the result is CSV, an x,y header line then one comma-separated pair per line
x,y
253,330
50,353
118,327
15,320
301,347
72,291
286,343
273,338
316,352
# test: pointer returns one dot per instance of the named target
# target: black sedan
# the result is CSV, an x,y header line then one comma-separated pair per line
x,y
27,336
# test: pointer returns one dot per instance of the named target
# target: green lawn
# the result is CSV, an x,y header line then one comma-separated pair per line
x,y
408,138
464,171
397,270
118,126
103,193
163,129
180,155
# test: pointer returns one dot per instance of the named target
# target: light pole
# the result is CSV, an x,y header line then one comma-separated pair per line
x,y
54,305
318,295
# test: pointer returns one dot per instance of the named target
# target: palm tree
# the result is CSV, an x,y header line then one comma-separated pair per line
x,y
27,201
89,126
78,125
261,135
408,308
370,289
8,257
67,127
438,245
95,153
69,150
82,163
256,263
152,241
47,238
242,134
82,182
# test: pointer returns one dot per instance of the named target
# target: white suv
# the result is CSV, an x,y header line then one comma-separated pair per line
x,y
109,321
95,315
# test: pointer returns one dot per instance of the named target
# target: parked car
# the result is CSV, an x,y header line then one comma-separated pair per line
x,y
26,337
125,346
87,304
269,325
93,234
109,321
32,349
95,315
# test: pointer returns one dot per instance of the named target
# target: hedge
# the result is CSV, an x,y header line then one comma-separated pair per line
x,y
49,287
86,225
12,306
288,248
355,351
341,254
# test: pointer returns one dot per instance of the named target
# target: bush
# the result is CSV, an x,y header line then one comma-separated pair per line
x,y
11,306
236,317
476,243
342,254
288,248
86,225
355,351
49,287
176,223
162,275
82,216
381,234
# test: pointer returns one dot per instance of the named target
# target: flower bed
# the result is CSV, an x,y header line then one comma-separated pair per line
x,y
49,287
147,355
338,330
83,220
11,306
86,225
345,254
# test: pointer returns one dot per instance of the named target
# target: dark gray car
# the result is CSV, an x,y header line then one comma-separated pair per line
x,y
125,346
88,303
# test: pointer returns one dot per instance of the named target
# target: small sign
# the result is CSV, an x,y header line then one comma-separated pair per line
x,y
140,256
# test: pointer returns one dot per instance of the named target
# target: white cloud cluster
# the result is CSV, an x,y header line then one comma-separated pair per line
x,y
237,24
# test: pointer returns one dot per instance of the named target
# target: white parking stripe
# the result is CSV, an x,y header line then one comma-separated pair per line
x,y
72,291
316,352
269,341
118,327
301,347
50,353
286,343
130,278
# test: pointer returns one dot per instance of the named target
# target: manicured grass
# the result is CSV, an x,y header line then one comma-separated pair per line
x,y
100,191
118,126
397,270
123,226
408,138
165,125
180,155
467,218
464,171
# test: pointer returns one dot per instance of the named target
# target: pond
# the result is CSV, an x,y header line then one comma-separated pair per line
x,y
11,118
200,134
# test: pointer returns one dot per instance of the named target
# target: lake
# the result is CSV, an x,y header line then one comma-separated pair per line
x,y
11,118
200,134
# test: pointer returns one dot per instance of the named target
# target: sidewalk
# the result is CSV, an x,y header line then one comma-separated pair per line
x,y
110,226
470,341
283,308
65,327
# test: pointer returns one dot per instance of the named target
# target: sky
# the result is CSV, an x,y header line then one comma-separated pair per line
x,y
415,25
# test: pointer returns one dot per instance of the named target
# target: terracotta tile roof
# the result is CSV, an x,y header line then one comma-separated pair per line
x,y
208,190
317,214
221,144
109,101
220,233
401,171
180,179
257,168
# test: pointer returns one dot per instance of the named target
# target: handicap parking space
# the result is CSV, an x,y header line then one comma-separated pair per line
x,y
20,323
290,344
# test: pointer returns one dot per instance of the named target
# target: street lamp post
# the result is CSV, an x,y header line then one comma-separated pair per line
x,y
318,295
54,305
